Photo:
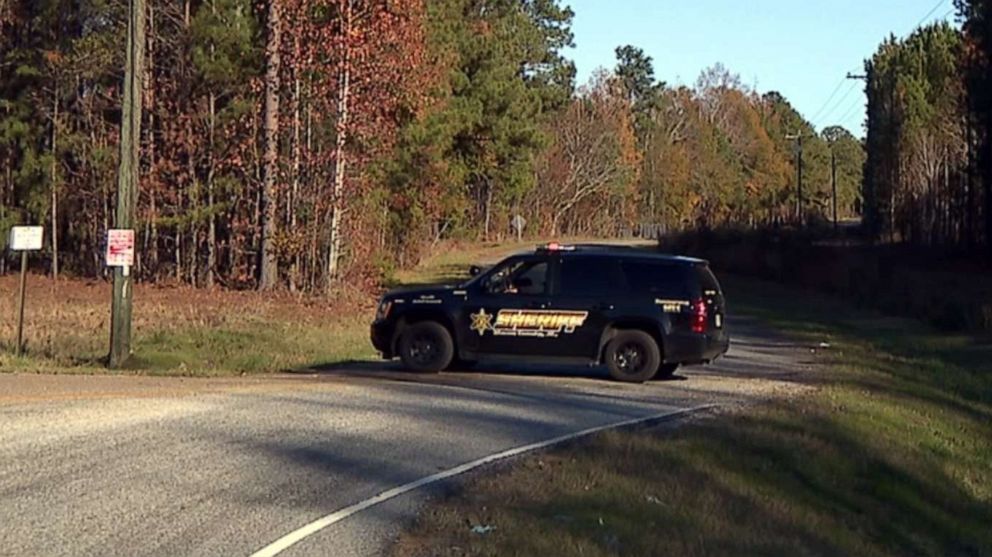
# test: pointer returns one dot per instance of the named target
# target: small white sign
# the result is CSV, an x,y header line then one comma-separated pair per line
x,y
120,248
26,238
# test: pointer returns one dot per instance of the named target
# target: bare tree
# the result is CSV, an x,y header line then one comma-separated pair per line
x,y
594,152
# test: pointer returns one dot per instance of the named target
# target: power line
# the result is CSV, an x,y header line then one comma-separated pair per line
x,y
838,104
819,117
850,112
827,102
930,13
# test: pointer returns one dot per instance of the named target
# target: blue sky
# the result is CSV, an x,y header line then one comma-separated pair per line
x,y
801,48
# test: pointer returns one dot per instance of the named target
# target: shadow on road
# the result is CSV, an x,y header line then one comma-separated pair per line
x,y
393,370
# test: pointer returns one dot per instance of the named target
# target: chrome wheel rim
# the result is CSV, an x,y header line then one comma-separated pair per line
x,y
630,358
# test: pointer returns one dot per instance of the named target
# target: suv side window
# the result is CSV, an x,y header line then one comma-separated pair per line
x,y
659,279
522,277
587,276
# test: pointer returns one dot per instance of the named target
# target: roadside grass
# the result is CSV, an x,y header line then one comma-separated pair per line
x,y
889,454
182,331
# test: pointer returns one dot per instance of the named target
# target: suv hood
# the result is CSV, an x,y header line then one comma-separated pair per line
x,y
419,293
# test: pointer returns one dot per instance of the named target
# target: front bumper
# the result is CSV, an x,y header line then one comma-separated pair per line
x,y
382,338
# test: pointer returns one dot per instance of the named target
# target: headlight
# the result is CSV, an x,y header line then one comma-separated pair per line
x,y
383,312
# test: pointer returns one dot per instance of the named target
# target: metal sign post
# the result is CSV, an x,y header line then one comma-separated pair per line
x,y
24,239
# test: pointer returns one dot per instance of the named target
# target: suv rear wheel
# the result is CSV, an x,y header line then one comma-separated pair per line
x,y
633,357
426,347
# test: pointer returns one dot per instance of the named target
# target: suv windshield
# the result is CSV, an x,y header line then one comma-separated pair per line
x,y
525,277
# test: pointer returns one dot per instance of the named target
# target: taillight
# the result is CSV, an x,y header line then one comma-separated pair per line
x,y
700,316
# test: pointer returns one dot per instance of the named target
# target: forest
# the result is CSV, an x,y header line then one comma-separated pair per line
x,y
928,180
297,143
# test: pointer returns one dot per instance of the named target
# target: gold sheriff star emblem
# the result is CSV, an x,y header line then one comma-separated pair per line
x,y
482,321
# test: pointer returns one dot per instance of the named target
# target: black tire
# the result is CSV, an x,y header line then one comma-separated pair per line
x,y
426,347
666,371
633,357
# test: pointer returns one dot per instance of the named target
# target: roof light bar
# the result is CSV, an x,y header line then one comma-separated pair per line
x,y
555,246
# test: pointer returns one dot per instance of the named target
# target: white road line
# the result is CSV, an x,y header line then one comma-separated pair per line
x,y
287,541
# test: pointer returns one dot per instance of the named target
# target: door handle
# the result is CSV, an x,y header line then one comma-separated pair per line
x,y
537,305
603,307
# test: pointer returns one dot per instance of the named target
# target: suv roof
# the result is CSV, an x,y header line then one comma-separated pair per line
x,y
615,250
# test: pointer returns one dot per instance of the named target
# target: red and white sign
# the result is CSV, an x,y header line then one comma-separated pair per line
x,y
120,248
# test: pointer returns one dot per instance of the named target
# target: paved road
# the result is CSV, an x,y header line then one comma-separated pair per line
x,y
142,466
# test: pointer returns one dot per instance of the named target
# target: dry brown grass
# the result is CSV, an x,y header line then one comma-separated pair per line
x,y
67,323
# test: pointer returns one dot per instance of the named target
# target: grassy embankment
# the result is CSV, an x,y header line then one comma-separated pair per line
x,y
183,331
890,454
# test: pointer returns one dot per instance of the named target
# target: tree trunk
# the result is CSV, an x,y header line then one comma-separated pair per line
x,y
193,199
340,159
255,259
212,218
315,234
55,186
555,220
294,273
270,272
969,212
488,210
211,173
5,201
151,228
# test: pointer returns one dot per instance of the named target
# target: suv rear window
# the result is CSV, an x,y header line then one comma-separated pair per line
x,y
707,280
660,279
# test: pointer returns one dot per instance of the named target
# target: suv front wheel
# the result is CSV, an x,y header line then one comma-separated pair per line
x,y
633,357
426,347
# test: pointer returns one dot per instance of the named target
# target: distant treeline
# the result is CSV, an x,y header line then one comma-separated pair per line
x,y
295,143
948,290
928,180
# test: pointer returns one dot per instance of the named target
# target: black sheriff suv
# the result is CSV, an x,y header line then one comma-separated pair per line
x,y
641,313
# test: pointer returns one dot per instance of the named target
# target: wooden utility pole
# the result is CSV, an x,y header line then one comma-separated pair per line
x,y
127,180
273,61
55,182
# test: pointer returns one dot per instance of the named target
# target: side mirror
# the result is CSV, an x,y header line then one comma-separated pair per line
x,y
474,271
